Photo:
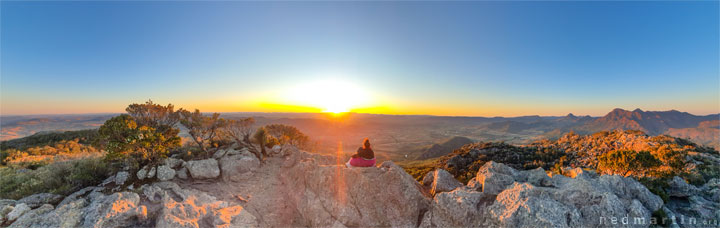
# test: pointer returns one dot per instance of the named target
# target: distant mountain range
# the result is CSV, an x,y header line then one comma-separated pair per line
x,y
700,129
408,137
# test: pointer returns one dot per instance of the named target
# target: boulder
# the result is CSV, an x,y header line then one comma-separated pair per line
x,y
182,173
173,162
164,173
4,211
142,173
37,200
495,177
334,195
440,181
151,172
679,188
203,169
17,211
66,215
538,177
462,207
29,217
121,177
220,153
237,164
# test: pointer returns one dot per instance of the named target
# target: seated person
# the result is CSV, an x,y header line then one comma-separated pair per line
x,y
365,157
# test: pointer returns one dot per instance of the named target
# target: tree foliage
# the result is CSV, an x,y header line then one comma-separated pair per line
x,y
126,141
279,134
202,129
240,131
162,118
626,162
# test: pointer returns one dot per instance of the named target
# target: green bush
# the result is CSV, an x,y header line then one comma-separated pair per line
x,y
60,178
133,145
625,162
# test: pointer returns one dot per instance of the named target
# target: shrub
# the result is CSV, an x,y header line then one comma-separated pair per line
x,y
127,142
285,134
202,129
626,162
161,118
59,178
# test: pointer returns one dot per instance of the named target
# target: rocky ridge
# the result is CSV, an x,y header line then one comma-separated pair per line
x,y
297,188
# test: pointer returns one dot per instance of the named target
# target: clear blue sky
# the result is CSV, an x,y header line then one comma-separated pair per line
x,y
445,58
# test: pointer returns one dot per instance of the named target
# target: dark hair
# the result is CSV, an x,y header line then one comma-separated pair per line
x,y
366,143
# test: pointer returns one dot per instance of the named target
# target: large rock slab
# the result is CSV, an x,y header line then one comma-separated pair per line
x,y
333,195
192,208
237,164
203,169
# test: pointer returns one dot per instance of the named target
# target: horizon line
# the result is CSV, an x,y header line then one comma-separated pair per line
x,y
326,113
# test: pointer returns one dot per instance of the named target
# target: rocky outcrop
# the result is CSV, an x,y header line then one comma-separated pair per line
x,y
333,195
303,189
699,203
512,198
679,188
203,169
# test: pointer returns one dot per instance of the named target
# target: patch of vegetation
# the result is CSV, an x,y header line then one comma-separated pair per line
x,y
34,157
626,162
60,178
657,186
417,169
466,161
86,137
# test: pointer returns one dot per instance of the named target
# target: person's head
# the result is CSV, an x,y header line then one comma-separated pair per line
x,y
366,143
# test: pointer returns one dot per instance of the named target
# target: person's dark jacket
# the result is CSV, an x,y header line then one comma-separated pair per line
x,y
364,153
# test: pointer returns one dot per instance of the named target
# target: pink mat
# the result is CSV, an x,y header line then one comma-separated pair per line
x,y
360,162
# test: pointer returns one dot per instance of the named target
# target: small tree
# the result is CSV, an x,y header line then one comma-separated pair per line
x,y
285,134
202,129
260,137
162,118
127,142
240,131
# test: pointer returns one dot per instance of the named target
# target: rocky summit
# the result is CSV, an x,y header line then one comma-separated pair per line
x,y
310,190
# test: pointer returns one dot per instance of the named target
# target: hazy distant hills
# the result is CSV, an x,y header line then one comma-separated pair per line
x,y
700,129
12,127
651,122
402,137
444,148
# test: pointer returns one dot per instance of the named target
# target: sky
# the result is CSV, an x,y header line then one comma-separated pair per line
x,y
437,58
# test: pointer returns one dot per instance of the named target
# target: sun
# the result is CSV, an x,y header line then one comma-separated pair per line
x,y
330,95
